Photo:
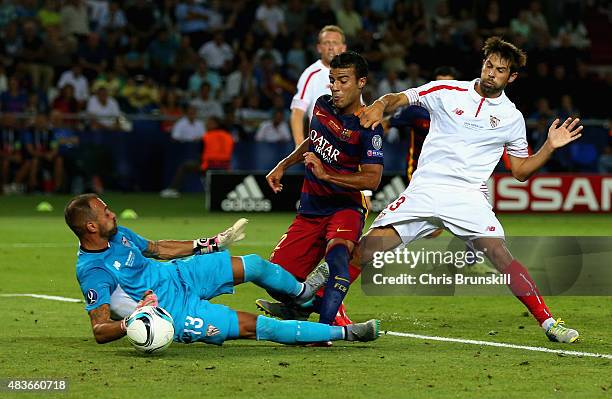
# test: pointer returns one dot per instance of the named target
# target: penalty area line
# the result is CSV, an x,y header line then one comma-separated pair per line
x,y
500,345
40,296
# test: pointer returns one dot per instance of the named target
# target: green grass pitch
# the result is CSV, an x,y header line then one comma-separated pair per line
x,y
41,338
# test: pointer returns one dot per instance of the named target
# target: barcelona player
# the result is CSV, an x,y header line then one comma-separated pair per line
x,y
341,159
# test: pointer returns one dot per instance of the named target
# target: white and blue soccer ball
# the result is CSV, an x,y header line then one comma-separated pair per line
x,y
150,329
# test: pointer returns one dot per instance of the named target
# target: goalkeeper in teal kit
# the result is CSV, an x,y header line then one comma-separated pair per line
x,y
117,274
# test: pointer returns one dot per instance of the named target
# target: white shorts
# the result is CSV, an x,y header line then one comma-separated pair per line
x,y
418,212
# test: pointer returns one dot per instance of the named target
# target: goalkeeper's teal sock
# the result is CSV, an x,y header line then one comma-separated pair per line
x,y
296,332
270,276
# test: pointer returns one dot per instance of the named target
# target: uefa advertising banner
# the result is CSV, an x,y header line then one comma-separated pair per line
x,y
249,192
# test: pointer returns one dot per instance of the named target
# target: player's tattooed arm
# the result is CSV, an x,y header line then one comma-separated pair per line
x,y
104,329
372,115
168,249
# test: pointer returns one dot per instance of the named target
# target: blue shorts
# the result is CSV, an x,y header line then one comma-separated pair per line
x,y
209,323
205,277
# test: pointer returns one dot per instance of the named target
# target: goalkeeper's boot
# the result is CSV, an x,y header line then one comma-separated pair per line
x,y
342,318
281,310
557,332
363,332
315,280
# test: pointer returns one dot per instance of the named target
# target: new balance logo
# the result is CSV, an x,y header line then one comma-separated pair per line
x,y
247,196
458,111
388,193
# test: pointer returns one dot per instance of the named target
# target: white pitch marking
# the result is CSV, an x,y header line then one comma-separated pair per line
x,y
501,345
40,296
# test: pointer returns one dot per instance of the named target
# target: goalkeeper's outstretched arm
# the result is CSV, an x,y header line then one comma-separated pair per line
x,y
172,249
104,328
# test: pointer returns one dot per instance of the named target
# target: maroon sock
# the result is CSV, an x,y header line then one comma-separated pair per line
x,y
526,291
354,272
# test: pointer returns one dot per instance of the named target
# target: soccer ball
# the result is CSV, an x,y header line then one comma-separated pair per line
x,y
150,329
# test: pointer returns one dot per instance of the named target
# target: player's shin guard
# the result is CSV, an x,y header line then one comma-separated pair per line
x,y
526,291
270,276
337,286
296,332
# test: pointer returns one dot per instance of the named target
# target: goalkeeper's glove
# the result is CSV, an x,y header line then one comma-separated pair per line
x,y
222,240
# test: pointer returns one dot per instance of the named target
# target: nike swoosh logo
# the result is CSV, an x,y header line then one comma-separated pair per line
x,y
339,230
317,113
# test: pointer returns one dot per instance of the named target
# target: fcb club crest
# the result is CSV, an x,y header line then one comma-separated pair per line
x,y
345,135
494,121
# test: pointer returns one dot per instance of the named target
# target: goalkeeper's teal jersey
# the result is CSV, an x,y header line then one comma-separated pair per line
x,y
120,274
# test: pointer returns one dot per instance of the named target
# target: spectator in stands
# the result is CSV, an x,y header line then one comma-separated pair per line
x,y
74,19
93,56
161,54
204,75
42,149
267,48
192,20
33,55
69,150
393,52
270,82
113,18
543,110
442,20
103,110
520,24
319,15
141,94
493,21
295,61
275,130
391,84
295,18
48,15
14,168
113,79
10,45
249,113
8,13
537,20
134,57
270,19
217,150
241,82
13,100
185,60
3,79
74,77
189,128
205,105
605,159
58,49
217,53
66,103
566,108
170,109
141,20
349,19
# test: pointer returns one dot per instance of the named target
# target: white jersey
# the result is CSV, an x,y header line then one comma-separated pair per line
x,y
313,83
467,134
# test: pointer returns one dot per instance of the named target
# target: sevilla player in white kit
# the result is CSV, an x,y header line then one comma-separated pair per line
x,y
471,123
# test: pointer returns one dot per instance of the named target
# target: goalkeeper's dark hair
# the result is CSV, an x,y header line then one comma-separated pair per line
x,y
507,51
78,212
351,59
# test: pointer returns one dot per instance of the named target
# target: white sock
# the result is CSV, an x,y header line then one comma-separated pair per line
x,y
547,323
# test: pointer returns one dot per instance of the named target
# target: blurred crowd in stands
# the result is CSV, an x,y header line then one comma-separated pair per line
x,y
74,66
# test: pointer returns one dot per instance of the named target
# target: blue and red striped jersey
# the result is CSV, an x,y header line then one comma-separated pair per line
x,y
412,120
342,145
